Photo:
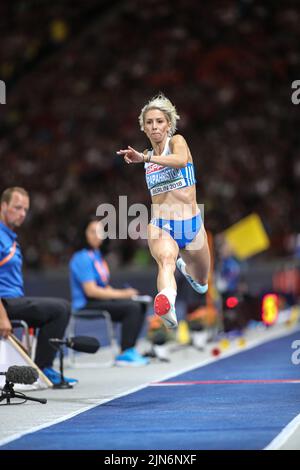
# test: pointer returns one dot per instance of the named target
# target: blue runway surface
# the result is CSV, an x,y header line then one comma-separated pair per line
x,y
185,413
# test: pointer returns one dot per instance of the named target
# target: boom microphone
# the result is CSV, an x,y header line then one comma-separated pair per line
x,y
21,375
85,344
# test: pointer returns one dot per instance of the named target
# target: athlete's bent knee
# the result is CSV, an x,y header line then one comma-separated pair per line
x,y
167,259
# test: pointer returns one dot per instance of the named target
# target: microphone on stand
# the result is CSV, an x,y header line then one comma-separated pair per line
x,y
19,375
85,344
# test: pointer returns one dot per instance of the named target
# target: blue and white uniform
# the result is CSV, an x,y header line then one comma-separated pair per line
x,y
161,179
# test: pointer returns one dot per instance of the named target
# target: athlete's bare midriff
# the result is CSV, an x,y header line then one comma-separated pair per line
x,y
179,204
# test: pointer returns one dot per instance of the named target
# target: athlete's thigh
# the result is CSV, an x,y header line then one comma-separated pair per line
x,y
197,252
161,243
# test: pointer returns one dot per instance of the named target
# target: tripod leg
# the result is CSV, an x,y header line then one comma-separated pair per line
x,y
26,397
8,393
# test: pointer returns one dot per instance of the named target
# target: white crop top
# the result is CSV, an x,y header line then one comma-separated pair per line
x,y
161,179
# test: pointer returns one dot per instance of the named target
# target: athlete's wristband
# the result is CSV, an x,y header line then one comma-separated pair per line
x,y
146,158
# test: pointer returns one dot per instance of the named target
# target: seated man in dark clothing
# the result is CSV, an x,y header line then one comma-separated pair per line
x,y
49,315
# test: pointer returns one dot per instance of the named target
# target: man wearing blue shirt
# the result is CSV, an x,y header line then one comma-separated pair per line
x,y
49,315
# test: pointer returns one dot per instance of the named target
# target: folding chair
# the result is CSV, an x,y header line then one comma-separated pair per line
x,y
29,340
92,315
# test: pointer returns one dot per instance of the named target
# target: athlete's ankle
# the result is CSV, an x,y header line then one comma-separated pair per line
x,y
201,281
201,288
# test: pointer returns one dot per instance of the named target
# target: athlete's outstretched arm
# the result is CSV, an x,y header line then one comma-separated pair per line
x,y
177,159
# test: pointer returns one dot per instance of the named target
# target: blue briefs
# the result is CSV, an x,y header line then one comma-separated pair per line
x,y
182,231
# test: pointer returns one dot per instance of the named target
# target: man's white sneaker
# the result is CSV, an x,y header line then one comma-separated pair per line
x,y
195,285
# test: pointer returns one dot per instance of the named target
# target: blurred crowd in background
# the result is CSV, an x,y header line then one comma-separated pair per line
x,y
77,76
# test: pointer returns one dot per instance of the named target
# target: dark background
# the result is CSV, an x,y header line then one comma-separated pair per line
x,y
77,76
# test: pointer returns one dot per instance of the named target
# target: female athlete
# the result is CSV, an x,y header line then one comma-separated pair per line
x,y
176,234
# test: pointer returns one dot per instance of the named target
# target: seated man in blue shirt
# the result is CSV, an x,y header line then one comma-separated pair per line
x,y
49,315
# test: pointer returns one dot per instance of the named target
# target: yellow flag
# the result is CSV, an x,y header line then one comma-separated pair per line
x,y
247,237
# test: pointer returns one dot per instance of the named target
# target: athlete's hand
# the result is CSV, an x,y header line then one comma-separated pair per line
x,y
131,156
